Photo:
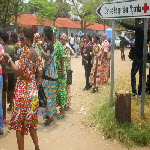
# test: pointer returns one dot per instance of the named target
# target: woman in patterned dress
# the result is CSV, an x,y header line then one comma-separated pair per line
x,y
104,75
24,114
62,78
50,76
68,53
96,64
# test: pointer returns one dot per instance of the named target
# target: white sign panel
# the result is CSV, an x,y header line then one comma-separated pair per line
x,y
125,9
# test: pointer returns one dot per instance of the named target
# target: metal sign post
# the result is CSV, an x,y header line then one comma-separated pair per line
x,y
122,10
112,62
144,67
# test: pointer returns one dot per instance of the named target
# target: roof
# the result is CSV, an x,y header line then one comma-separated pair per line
x,y
28,19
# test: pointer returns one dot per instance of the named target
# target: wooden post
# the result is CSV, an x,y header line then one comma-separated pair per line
x,y
144,67
112,62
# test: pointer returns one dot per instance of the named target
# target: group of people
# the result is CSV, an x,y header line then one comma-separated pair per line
x,y
41,63
96,61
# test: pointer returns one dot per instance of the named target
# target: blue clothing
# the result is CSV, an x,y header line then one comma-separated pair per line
x,y
1,109
50,86
137,65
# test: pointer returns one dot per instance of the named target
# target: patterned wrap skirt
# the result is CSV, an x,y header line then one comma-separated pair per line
x,y
50,93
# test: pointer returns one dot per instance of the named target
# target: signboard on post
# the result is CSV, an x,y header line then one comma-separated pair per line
x,y
124,9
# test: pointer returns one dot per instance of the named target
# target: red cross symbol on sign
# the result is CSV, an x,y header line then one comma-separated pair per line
x,y
145,8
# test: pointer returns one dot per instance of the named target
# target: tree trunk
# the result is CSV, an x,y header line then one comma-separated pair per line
x,y
104,26
82,25
54,22
16,16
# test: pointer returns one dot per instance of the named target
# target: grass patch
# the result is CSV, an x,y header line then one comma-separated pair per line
x,y
103,119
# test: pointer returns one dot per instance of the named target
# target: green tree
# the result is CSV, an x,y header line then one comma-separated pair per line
x,y
5,13
17,10
43,8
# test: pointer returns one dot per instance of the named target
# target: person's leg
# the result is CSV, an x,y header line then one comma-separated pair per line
x,y
10,97
68,98
135,68
4,104
34,137
20,140
11,84
88,76
140,78
1,108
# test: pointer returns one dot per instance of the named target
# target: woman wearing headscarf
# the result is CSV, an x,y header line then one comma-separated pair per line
x,y
96,64
49,75
62,76
68,53
24,114
104,75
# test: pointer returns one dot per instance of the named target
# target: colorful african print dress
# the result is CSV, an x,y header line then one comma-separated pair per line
x,y
96,66
104,75
49,85
61,83
24,114
68,53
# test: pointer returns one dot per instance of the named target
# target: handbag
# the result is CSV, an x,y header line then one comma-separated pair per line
x,y
109,55
42,97
131,53
69,77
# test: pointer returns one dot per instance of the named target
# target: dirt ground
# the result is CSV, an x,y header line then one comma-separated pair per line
x,y
70,133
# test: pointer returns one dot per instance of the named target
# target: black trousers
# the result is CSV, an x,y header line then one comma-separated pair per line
x,y
87,74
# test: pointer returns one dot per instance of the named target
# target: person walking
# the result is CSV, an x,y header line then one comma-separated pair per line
x,y
104,75
68,53
62,77
96,64
8,92
2,69
137,64
49,75
24,114
87,60
122,45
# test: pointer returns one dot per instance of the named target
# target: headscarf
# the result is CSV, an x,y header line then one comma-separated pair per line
x,y
54,29
105,35
64,37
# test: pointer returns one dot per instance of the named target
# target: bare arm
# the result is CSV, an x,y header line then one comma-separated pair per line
x,y
14,67
45,55
2,62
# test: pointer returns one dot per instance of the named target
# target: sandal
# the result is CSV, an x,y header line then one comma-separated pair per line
x,y
95,90
66,108
60,117
48,120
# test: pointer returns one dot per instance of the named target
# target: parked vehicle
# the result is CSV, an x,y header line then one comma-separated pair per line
x,y
126,40
117,42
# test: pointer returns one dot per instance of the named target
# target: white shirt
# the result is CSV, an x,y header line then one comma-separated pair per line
x,y
72,40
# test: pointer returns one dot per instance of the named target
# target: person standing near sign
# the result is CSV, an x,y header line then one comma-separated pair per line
x,y
137,64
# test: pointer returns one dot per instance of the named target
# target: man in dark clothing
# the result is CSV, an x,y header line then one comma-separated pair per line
x,y
87,60
138,54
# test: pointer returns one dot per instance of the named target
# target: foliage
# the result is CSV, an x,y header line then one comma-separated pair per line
x,y
9,10
43,8
103,117
63,9
5,12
